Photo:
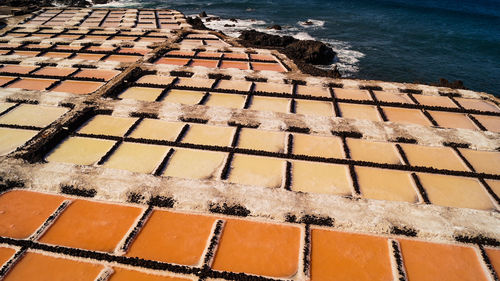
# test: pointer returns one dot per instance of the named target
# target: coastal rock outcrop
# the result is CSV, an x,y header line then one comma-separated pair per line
x,y
304,53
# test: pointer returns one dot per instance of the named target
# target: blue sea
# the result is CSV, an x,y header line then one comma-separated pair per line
x,y
390,40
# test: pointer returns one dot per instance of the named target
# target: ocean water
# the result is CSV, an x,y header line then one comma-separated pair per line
x,y
390,40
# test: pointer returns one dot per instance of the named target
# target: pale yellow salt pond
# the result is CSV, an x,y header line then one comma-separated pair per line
x,y
184,97
435,101
378,152
11,139
359,111
277,88
436,157
5,105
33,115
141,93
156,79
495,186
195,164
137,157
459,192
321,178
209,135
107,125
157,130
352,94
491,123
195,82
234,85
226,100
80,151
483,161
257,170
327,147
383,184
477,105
310,107
262,140
313,91
270,104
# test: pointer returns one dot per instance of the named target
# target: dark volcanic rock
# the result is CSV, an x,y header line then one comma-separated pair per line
x,y
261,39
310,51
213,19
203,14
196,23
302,52
275,27
308,23
458,84
233,20
229,25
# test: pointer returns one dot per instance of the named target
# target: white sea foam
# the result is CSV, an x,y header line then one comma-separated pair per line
x,y
347,61
303,36
313,23
120,4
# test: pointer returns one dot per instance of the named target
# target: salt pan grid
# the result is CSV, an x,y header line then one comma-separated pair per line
x,y
135,147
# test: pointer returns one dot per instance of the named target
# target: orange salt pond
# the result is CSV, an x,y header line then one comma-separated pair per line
x,y
436,157
23,212
36,266
483,161
32,83
491,123
310,145
6,254
321,178
56,55
97,73
173,61
21,69
432,261
383,184
378,152
406,116
5,79
494,256
173,237
477,105
435,101
91,225
452,120
257,170
204,63
458,192
121,274
349,256
77,87
258,248
122,58
55,71
84,56
234,64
